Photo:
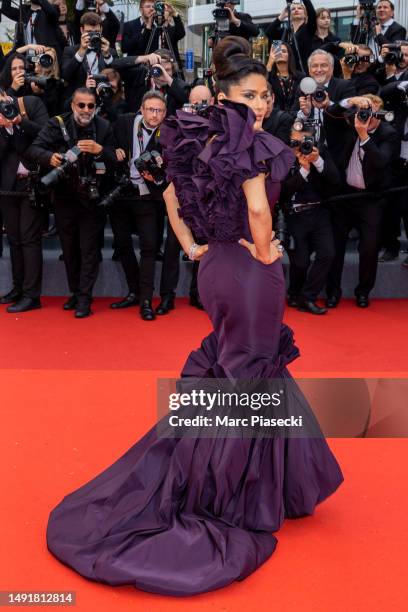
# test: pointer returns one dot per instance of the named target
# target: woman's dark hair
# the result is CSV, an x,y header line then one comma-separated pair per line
x,y
5,77
292,69
233,62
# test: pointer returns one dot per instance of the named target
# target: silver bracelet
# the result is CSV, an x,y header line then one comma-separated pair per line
x,y
192,251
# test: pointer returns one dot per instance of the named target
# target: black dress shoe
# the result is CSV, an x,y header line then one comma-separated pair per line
x,y
71,303
312,307
146,311
130,300
362,301
159,256
25,304
195,301
332,301
82,311
292,301
166,304
388,256
12,296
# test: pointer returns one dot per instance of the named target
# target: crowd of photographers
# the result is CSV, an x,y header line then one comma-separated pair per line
x,y
80,138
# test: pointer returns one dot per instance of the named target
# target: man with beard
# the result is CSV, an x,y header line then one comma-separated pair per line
x,y
86,140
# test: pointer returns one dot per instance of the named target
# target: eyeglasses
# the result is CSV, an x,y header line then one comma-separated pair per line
x,y
90,106
157,111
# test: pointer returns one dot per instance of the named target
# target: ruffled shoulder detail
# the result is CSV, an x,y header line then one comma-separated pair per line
x,y
183,137
235,153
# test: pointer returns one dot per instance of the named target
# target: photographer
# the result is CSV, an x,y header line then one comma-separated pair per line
x,y
240,24
136,135
137,33
87,141
91,56
313,178
385,30
156,71
40,21
369,148
110,23
20,121
301,35
357,66
112,103
43,77
395,96
13,76
395,63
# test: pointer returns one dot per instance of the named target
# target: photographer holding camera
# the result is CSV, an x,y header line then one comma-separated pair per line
x,y
384,29
239,24
156,71
79,147
40,23
370,146
91,56
110,23
395,63
357,66
313,178
139,153
138,32
21,119
13,76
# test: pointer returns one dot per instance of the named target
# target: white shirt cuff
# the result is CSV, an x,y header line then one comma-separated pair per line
x,y
363,142
319,164
108,60
80,5
304,173
79,58
345,103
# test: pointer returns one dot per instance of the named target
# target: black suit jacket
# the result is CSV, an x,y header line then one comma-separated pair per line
x,y
135,37
13,149
50,140
247,29
45,25
395,32
279,124
124,137
110,26
74,72
379,152
394,99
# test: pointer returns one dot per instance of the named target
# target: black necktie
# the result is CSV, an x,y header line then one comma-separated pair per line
x,y
146,129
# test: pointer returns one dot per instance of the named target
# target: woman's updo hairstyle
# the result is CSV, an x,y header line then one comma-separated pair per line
x,y
233,62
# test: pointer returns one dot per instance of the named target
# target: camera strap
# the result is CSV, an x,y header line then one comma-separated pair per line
x,y
21,108
65,134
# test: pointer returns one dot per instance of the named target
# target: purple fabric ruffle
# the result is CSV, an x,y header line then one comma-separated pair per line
x,y
208,160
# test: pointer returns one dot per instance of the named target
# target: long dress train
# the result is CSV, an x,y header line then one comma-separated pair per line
x,y
188,515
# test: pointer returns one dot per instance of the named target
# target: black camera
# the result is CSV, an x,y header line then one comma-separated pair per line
x,y
319,95
352,59
199,108
44,59
159,7
90,5
155,72
9,110
394,57
40,81
306,145
151,162
95,42
124,184
367,5
103,89
56,174
364,114
208,73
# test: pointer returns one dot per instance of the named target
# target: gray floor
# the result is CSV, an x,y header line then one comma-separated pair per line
x,y
392,278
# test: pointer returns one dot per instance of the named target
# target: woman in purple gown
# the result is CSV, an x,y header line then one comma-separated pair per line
x,y
181,516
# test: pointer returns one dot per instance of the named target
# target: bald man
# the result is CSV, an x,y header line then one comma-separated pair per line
x,y
199,94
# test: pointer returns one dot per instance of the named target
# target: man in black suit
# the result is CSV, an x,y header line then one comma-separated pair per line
x,y
240,24
277,122
395,96
369,149
40,19
80,61
138,32
135,135
387,30
321,68
137,81
22,220
77,215
110,23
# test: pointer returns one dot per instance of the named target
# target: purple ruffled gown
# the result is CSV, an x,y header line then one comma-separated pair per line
x,y
185,516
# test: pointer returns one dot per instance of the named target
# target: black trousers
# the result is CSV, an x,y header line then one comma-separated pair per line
x,y
79,229
171,266
312,232
23,225
1,233
396,208
365,214
140,214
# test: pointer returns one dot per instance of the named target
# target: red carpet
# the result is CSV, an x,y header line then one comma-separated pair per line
x,y
77,394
